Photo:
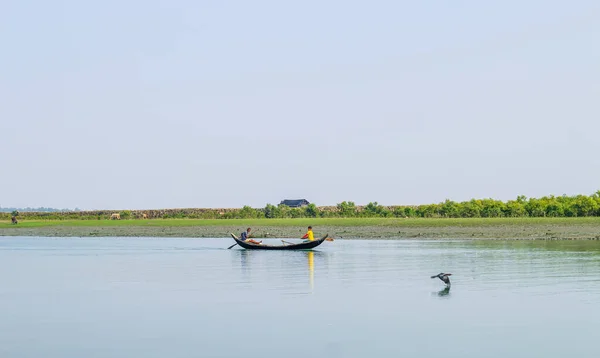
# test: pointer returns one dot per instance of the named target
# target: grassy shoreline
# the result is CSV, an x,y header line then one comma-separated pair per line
x,y
585,228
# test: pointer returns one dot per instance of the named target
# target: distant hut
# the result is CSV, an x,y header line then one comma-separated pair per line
x,y
294,203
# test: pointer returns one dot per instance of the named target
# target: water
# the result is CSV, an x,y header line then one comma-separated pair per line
x,y
124,297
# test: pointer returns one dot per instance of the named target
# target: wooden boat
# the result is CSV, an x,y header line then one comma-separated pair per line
x,y
300,246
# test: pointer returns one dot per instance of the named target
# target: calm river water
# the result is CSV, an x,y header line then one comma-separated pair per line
x,y
131,297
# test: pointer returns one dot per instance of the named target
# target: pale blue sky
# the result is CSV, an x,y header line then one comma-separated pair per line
x,y
165,104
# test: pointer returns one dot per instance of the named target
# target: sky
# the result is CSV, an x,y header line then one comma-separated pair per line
x,y
180,103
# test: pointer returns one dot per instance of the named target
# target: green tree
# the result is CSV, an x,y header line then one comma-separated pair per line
x,y
492,208
554,208
410,212
373,209
399,212
284,211
535,208
428,211
449,209
514,209
248,213
470,209
346,209
296,213
311,210
585,206
272,211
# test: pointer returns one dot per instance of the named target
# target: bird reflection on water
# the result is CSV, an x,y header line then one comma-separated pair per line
x,y
444,292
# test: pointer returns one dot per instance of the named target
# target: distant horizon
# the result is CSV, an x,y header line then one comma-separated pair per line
x,y
77,208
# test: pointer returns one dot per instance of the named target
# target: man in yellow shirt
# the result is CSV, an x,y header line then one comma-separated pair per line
x,y
309,234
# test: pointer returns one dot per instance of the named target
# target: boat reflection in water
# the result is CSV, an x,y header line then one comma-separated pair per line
x,y
244,260
253,262
311,269
311,257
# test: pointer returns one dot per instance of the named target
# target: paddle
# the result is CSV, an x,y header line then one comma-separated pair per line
x,y
291,243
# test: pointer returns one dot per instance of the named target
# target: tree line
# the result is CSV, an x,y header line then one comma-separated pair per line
x,y
547,206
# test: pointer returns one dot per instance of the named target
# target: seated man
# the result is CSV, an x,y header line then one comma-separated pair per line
x,y
244,237
309,235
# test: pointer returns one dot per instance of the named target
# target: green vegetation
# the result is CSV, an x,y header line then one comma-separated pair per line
x,y
303,222
548,206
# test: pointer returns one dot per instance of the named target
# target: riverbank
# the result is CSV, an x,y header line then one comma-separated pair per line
x,y
341,228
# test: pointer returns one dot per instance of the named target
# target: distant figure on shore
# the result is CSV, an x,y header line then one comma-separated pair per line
x,y
444,277
115,216
244,236
14,220
309,235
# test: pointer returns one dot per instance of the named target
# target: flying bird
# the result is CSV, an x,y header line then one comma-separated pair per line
x,y
444,277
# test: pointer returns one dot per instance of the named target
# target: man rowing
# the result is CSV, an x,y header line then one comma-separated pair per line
x,y
244,236
309,235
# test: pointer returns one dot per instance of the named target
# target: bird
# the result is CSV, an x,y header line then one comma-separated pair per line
x,y
444,277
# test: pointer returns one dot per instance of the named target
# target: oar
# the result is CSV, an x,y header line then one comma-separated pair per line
x,y
233,244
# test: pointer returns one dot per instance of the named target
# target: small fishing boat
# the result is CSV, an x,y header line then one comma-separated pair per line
x,y
300,246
